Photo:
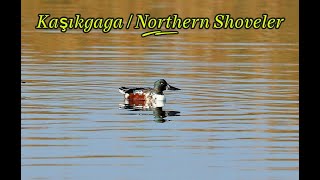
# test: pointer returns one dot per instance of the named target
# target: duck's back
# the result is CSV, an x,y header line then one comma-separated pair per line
x,y
135,93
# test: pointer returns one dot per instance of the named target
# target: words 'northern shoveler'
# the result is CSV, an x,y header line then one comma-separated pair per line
x,y
142,93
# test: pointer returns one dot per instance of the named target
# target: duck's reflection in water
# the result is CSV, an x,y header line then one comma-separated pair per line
x,y
156,107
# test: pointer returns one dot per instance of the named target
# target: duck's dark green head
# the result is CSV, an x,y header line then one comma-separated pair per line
x,y
161,85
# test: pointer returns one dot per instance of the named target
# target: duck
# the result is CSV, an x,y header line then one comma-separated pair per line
x,y
146,93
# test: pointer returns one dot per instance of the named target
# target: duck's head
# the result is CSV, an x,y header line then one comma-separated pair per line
x,y
162,85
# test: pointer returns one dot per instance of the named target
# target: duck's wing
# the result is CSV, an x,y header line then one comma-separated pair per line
x,y
129,90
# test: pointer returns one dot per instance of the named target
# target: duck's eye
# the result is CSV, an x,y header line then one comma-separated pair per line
x,y
161,83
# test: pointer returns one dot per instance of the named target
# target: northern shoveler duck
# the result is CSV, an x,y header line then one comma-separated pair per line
x,y
142,93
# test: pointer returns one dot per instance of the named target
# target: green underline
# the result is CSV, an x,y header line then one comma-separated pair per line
x,y
158,33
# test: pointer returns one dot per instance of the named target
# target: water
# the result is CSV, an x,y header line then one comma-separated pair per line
x,y
236,116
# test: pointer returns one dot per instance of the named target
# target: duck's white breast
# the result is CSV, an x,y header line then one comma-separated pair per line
x,y
159,97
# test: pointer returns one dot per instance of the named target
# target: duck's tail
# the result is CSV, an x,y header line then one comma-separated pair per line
x,y
123,90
